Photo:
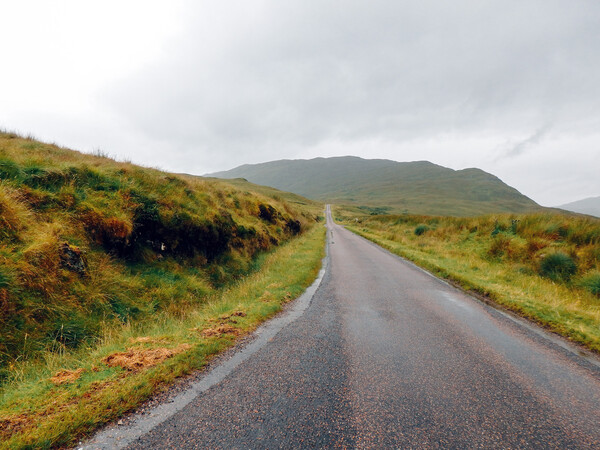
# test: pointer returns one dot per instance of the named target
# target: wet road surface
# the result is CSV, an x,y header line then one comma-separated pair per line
x,y
387,356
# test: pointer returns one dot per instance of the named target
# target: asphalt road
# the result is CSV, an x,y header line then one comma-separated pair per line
x,y
387,356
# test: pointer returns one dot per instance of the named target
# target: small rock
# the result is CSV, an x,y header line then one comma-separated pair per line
x,y
73,259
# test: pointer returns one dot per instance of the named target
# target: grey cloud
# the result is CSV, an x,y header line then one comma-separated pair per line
x,y
253,81
519,148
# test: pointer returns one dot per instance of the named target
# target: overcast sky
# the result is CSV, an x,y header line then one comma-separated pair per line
x,y
511,87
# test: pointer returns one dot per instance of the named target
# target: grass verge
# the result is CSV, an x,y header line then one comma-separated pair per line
x,y
68,396
502,258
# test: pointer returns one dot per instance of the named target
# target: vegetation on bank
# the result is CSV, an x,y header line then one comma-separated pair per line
x,y
115,279
86,242
67,396
545,267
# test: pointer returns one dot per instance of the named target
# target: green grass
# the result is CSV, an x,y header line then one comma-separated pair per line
x,y
503,258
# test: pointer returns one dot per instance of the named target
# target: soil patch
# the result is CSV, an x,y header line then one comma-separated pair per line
x,y
148,340
13,425
135,359
228,317
222,329
66,376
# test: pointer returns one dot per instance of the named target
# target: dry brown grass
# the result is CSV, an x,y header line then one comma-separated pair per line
x,y
66,376
220,330
136,359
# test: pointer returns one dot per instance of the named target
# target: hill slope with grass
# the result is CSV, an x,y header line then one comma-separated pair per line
x,y
590,206
388,186
88,243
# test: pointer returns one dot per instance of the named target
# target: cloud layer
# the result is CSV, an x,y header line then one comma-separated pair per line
x,y
495,84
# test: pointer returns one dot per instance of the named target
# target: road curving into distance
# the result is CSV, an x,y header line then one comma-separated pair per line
x,y
388,356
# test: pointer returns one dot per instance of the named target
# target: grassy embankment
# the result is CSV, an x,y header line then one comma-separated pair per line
x,y
117,279
545,267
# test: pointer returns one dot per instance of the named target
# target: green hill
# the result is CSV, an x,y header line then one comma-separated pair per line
x,y
379,185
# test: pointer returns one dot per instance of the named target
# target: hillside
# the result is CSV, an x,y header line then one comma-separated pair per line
x,y
244,185
389,186
589,206
87,243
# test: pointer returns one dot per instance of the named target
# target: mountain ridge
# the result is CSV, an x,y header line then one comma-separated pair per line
x,y
589,205
416,187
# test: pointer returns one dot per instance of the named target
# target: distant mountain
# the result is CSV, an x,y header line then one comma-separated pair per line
x,y
589,206
388,186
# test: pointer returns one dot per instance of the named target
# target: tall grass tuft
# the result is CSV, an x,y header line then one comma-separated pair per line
x,y
558,267
421,229
591,283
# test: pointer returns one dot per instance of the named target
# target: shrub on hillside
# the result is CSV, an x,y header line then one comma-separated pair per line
x,y
508,246
498,228
9,169
293,226
12,214
534,245
268,213
591,283
500,246
74,330
421,229
6,281
558,267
